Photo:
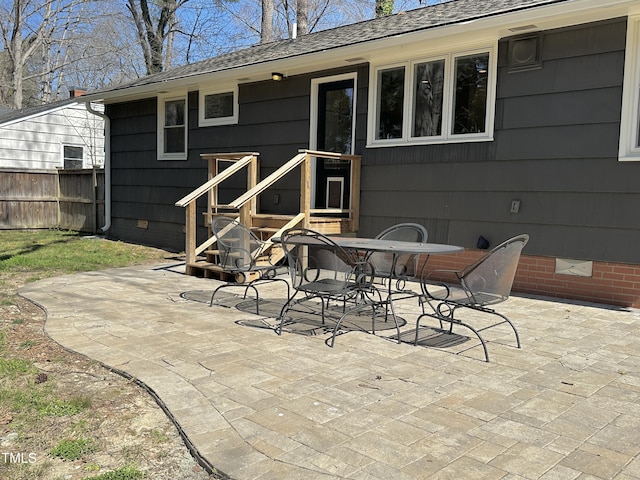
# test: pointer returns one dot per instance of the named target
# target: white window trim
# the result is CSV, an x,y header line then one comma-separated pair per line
x,y
210,122
315,88
628,148
447,108
162,99
69,144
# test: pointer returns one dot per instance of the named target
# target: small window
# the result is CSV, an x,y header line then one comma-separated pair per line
x,y
172,128
218,107
72,157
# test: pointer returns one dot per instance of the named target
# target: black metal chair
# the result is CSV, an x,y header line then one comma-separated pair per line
x,y
243,255
321,272
401,268
482,284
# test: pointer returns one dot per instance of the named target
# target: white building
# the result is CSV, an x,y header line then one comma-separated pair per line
x,y
63,134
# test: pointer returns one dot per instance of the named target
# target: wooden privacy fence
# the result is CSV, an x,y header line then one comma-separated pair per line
x,y
66,199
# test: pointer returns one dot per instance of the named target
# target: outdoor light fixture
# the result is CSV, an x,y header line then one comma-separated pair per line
x,y
277,77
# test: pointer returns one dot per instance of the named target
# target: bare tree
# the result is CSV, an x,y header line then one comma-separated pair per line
x,y
266,26
384,8
103,56
155,24
21,42
35,36
302,17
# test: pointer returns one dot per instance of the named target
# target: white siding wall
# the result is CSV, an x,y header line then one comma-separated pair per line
x,y
36,142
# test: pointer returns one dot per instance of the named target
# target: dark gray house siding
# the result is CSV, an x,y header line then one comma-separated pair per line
x,y
273,121
555,150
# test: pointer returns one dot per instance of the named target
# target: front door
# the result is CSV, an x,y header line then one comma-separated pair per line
x,y
334,105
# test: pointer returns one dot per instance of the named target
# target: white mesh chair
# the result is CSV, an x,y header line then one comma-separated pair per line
x,y
481,285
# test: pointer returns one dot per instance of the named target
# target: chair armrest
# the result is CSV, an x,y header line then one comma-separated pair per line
x,y
244,266
430,295
364,274
425,284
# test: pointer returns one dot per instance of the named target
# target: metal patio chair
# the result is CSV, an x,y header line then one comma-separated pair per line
x,y
484,283
401,268
322,272
242,254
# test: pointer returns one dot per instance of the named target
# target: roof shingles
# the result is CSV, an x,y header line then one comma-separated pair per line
x,y
439,15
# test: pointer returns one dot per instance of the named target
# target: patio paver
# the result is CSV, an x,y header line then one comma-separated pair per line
x,y
256,405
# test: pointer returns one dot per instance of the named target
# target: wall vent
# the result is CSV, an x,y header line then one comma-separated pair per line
x,y
525,52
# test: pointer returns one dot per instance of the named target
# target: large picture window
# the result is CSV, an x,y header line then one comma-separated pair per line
x,y
470,96
428,99
218,107
172,128
629,148
448,98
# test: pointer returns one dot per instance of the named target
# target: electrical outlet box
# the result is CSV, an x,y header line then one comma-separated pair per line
x,y
515,206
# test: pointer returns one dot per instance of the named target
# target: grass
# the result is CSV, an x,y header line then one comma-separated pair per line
x,y
61,408
124,473
32,404
73,449
53,252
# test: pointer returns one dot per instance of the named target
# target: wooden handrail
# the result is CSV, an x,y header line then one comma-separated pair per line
x,y
294,222
267,182
204,188
283,170
342,156
245,204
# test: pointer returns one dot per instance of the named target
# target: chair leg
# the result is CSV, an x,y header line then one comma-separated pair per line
x,y
513,327
451,320
395,319
216,291
482,341
344,315
284,310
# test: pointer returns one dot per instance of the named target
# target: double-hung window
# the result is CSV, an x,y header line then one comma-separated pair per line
x,y
218,107
629,148
172,127
443,98
72,156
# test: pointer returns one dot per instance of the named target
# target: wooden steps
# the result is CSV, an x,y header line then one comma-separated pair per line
x,y
206,269
264,226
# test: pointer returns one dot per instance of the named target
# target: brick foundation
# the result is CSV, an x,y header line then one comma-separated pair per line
x,y
611,283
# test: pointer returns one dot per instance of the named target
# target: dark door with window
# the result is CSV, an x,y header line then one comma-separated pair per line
x,y
334,134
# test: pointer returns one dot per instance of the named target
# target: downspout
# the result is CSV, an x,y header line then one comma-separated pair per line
x,y
107,166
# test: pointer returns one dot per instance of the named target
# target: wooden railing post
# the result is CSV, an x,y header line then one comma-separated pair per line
x,y
354,208
252,181
247,204
305,190
190,233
